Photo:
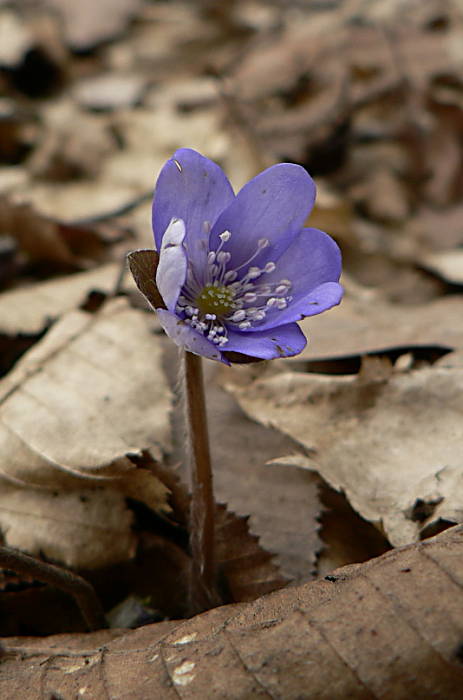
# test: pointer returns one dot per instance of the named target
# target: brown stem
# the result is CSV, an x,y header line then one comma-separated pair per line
x,y
81,590
203,589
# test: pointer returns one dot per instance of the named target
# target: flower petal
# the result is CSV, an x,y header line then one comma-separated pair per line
x,y
193,188
283,341
312,263
172,267
318,300
273,205
185,337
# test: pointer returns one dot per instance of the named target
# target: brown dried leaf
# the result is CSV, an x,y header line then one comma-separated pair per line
x,y
84,528
66,153
110,91
28,310
45,240
73,412
448,265
364,322
283,502
87,24
37,236
143,265
391,445
359,633
246,569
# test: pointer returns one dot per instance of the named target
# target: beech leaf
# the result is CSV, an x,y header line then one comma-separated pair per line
x,y
390,443
74,413
361,632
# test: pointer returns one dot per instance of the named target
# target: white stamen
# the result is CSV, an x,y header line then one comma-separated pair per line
x,y
253,273
270,267
262,243
211,257
223,257
230,276
245,324
281,289
271,302
250,297
239,315
225,236
281,304
263,290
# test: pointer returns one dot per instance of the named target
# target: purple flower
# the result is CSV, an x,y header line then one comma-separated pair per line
x,y
236,272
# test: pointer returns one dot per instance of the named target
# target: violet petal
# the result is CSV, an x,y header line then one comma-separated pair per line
x,y
273,206
283,341
312,263
193,188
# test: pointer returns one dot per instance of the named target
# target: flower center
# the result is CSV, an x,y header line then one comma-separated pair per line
x,y
213,299
219,298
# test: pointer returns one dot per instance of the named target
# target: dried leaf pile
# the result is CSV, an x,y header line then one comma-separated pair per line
x,y
348,455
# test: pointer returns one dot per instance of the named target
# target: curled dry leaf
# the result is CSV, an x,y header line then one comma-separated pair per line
x,y
391,444
73,412
361,632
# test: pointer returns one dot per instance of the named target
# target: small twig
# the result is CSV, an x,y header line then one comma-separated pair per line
x,y
81,590
203,583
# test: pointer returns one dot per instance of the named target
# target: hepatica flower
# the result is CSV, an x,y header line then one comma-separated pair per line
x,y
235,273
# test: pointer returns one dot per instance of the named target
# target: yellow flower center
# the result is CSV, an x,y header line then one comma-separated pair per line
x,y
215,300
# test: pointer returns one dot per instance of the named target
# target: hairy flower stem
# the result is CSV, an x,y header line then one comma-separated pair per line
x,y
81,590
203,579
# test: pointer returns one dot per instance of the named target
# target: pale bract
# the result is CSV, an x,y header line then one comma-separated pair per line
x,y
237,272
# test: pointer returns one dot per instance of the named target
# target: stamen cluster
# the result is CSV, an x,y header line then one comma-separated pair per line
x,y
224,299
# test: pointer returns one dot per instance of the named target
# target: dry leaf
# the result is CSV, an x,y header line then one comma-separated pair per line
x,y
29,309
87,24
389,628
448,265
283,502
73,412
85,528
246,569
66,153
110,91
391,445
38,237
364,322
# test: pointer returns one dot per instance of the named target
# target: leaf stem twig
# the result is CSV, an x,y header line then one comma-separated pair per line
x,y
203,580
80,589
